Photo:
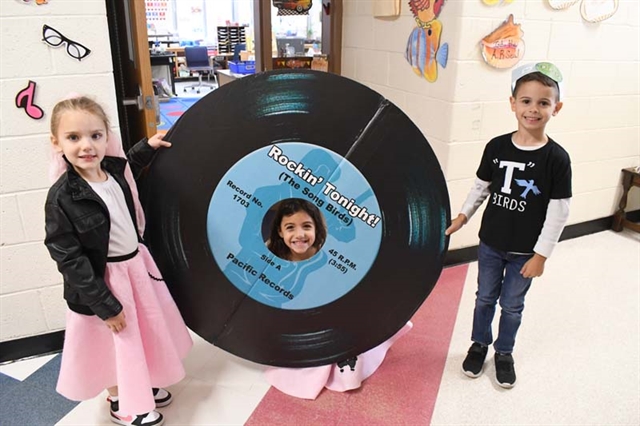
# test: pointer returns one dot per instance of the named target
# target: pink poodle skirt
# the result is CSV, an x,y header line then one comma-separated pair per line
x,y
147,353
307,383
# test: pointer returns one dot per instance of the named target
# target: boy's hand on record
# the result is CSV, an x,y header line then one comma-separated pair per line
x,y
117,323
534,266
456,224
156,141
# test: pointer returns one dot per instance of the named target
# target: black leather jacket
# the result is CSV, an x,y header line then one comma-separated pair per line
x,y
77,226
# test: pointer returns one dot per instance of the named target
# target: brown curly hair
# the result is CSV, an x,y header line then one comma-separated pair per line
x,y
289,207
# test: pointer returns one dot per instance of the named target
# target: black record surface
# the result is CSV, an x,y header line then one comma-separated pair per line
x,y
328,111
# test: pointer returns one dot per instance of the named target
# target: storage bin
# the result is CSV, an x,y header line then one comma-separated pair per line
x,y
242,67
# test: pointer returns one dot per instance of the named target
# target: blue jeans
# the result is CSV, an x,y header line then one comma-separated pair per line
x,y
499,278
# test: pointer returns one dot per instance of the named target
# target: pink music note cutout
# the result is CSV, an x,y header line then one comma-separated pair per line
x,y
24,99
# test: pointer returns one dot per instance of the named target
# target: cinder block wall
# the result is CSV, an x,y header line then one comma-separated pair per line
x,y
468,104
31,300
458,113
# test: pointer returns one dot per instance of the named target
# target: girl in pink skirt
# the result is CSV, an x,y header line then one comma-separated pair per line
x,y
307,383
124,331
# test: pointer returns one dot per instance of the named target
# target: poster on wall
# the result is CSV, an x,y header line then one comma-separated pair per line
x,y
292,7
190,19
157,11
504,47
424,52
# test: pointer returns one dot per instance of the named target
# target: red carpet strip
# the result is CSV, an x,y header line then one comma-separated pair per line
x,y
404,389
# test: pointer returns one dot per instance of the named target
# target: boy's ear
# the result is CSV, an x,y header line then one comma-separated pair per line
x,y
557,108
56,145
512,101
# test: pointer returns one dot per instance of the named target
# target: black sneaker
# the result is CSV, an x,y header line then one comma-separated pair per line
x,y
505,372
162,397
474,362
152,418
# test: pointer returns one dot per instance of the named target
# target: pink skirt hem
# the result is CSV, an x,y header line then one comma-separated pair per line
x,y
307,383
147,353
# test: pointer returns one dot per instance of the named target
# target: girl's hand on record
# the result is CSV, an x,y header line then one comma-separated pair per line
x,y
156,141
456,224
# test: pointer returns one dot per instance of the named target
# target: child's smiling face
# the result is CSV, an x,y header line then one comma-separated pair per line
x,y
534,104
298,232
82,137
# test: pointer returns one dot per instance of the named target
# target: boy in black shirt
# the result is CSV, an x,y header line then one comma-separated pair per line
x,y
528,178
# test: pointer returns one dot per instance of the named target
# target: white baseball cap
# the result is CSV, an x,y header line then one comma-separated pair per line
x,y
546,68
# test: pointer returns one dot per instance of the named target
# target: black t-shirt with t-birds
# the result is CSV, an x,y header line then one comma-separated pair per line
x,y
522,183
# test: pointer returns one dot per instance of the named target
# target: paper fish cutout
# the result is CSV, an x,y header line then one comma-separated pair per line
x,y
504,47
425,10
424,52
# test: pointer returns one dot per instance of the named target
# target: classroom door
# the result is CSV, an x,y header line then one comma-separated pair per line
x,y
132,69
331,24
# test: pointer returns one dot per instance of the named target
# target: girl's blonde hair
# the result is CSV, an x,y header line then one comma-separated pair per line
x,y
58,165
81,103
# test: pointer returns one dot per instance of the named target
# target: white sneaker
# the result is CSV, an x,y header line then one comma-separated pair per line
x,y
162,397
152,418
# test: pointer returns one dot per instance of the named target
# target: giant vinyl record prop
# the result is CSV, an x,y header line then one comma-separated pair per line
x,y
334,143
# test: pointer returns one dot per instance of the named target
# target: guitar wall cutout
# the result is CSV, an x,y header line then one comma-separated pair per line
x,y
24,99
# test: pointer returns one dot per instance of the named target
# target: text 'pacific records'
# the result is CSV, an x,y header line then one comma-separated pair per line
x,y
359,167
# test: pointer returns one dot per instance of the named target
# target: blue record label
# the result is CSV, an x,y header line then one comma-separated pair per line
x,y
241,212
